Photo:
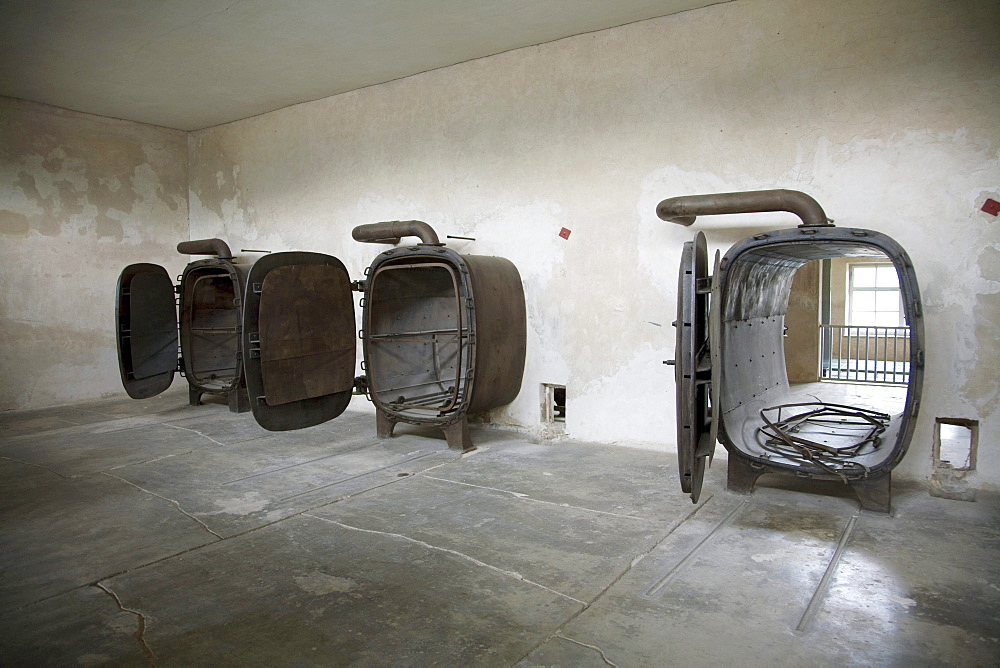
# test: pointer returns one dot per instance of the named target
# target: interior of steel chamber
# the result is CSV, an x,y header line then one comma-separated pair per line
x,y
209,333
763,416
418,357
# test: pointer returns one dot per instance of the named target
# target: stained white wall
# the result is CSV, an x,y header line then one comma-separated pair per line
x,y
80,197
885,112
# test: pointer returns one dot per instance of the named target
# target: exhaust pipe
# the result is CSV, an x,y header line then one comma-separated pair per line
x,y
206,247
390,232
683,210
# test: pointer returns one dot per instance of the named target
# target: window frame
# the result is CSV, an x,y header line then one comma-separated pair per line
x,y
851,290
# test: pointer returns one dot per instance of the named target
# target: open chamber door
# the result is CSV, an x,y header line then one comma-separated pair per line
x,y
693,367
767,424
146,327
298,340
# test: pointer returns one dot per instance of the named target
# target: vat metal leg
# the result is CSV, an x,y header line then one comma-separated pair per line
x,y
457,435
741,476
194,396
239,400
384,424
874,494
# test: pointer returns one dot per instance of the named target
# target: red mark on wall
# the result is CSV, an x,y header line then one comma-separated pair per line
x,y
564,233
991,206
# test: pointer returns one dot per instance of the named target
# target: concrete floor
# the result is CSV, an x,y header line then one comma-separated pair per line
x,y
154,532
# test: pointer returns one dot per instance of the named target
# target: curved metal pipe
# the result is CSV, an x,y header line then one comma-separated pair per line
x,y
683,210
390,232
206,247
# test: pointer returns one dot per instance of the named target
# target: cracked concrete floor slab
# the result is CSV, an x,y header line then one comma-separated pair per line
x,y
159,533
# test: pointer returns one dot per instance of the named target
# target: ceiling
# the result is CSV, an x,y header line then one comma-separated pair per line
x,y
191,64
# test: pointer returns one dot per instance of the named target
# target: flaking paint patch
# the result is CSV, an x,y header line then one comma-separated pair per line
x,y
51,207
107,227
60,196
221,207
159,176
78,187
80,197
989,263
78,160
213,176
13,223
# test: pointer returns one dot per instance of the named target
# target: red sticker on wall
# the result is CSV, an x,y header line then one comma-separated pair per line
x,y
991,206
564,233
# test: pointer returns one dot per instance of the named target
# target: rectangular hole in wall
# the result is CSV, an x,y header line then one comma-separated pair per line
x,y
553,403
956,441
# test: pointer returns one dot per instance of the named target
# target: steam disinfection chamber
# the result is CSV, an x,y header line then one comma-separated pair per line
x,y
443,334
730,371
192,328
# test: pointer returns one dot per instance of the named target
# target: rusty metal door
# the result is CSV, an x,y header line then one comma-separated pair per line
x,y
146,328
298,339
693,367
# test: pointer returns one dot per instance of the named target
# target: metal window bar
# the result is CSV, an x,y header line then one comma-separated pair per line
x,y
865,354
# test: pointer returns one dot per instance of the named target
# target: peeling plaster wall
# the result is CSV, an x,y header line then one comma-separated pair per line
x,y
80,197
885,112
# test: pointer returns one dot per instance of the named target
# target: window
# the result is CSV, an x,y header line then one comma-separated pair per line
x,y
874,296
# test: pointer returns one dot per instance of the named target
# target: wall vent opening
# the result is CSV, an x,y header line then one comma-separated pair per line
x,y
956,441
553,404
